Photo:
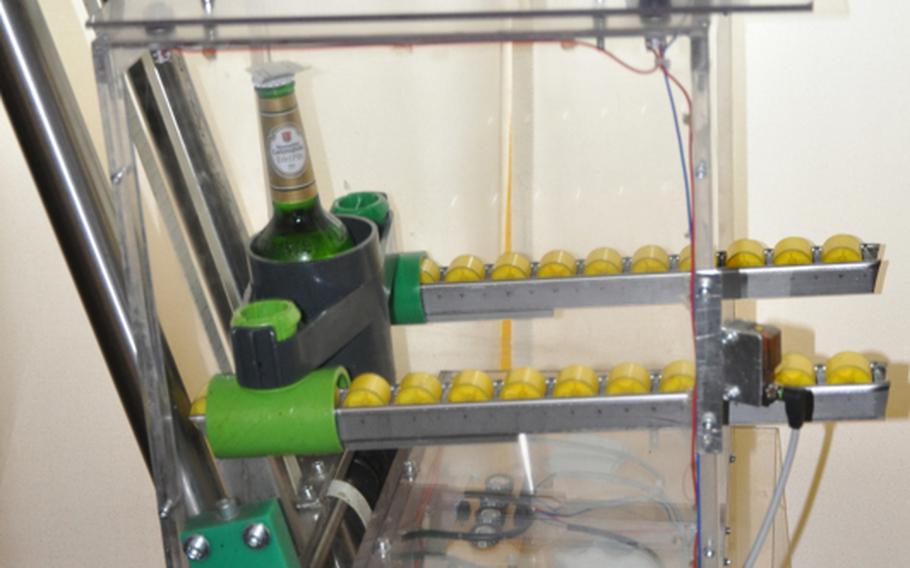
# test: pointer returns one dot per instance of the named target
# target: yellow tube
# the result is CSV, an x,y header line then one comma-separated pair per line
x,y
628,378
523,383
465,268
745,252
511,266
650,258
418,388
603,260
795,370
792,250
368,389
471,386
678,376
557,264
847,368
842,248
575,381
429,271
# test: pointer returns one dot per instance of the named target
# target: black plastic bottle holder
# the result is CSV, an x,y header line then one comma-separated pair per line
x,y
345,315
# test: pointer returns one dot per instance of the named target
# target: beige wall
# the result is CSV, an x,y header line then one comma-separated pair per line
x,y
821,122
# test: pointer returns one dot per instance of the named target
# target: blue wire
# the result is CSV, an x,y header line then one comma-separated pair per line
x,y
698,508
682,151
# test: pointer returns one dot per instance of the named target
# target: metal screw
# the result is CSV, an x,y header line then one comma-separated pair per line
x,y
732,458
709,552
166,508
319,469
196,547
701,170
728,562
118,176
226,508
383,547
308,497
728,531
732,393
409,471
709,421
256,536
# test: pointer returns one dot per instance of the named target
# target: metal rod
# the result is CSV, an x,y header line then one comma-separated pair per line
x,y
72,185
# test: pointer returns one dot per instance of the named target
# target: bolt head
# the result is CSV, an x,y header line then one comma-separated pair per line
x,y
709,552
383,547
409,471
226,509
319,469
256,536
196,547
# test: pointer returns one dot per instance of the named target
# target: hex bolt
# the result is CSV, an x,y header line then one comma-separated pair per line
x,y
307,497
709,421
732,393
319,469
728,562
709,552
196,547
409,471
226,509
383,547
256,536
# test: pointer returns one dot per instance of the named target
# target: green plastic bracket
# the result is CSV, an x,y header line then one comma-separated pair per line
x,y
298,419
406,306
281,315
371,205
226,543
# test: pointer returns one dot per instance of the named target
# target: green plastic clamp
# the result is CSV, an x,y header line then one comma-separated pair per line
x,y
281,315
371,205
226,542
298,419
406,305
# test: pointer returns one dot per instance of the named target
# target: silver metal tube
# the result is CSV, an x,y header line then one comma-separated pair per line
x,y
72,185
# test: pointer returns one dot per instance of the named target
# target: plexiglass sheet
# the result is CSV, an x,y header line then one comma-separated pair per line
x,y
622,500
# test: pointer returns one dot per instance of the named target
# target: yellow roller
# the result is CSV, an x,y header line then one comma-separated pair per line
x,y
557,264
847,368
628,378
368,389
511,266
684,262
465,268
522,383
795,370
471,386
603,260
678,376
429,271
745,252
842,248
575,381
650,258
418,388
792,250
199,406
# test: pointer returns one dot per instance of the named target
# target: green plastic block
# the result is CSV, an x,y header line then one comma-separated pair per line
x,y
298,419
406,305
227,547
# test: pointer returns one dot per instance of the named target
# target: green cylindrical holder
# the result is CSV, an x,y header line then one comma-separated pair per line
x,y
298,419
369,204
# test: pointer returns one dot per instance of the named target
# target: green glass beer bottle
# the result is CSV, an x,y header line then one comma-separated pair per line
x,y
300,229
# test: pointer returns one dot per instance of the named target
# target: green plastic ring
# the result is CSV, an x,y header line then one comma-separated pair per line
x,y
281,315
407,305
371,205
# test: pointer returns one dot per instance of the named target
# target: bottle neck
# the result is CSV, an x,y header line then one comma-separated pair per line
x,y
291,178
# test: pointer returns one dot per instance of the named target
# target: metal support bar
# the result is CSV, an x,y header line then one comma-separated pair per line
x,y
537,297
70,179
